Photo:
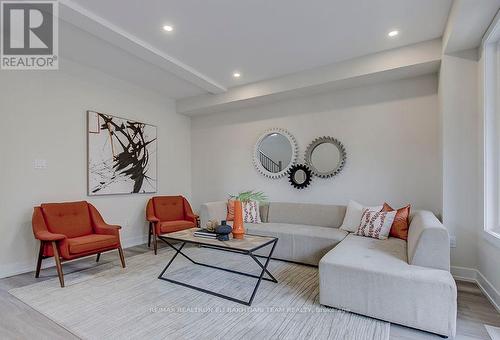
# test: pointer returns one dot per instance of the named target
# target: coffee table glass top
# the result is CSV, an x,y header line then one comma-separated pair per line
x,y
248,243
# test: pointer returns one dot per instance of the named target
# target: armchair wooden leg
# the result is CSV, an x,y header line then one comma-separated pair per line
x,y
149,233
122,259
58,264
39,261
98,257
155,243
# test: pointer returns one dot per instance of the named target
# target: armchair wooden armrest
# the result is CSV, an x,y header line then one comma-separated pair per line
x,y
150,213
189,215
47,236
106,229
100,226
152,219
40,229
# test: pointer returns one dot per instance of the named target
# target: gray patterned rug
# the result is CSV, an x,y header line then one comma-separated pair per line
x,y
108,302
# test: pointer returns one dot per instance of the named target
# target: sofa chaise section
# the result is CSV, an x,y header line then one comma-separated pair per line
x,y
392,280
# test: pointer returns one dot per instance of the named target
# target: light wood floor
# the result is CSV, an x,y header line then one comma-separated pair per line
x,y
19,321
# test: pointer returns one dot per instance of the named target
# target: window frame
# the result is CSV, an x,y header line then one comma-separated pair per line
x,y
490,102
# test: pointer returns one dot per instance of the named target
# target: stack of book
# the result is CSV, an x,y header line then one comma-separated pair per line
x,y
205,234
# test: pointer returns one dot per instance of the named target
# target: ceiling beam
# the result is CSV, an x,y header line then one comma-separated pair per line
x,y
412,60
105,30
467,23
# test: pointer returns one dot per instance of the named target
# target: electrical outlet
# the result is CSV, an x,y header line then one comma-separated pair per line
x,y
453,242
40,164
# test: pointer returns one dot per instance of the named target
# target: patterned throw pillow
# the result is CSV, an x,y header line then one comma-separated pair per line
x,y
230,210
376,224
353,215
251,212
401,222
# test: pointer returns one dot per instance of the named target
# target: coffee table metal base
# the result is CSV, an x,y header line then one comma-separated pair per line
x,y
264,270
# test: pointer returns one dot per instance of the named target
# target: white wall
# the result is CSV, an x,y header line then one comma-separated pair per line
x,y
390,130
477,255
43,116
460,138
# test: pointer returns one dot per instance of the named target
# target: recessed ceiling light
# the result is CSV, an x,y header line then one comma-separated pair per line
x,y
236,74
168,28
392,34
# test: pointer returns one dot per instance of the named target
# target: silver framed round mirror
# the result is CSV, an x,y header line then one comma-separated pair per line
x,y
325,156
275,153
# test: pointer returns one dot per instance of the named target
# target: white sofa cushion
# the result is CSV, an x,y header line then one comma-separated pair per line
x,y
372,277
323,215
297,242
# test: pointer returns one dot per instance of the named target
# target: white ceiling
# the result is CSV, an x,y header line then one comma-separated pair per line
x,y
264,39
77,45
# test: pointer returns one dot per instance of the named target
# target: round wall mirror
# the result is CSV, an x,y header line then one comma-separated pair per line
x,y
299,176
275,152
325,156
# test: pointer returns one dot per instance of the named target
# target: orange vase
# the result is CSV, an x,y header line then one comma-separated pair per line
x,y
238,228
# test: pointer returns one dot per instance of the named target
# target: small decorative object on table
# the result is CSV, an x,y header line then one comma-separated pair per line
x,y
246,196
211,225
223,231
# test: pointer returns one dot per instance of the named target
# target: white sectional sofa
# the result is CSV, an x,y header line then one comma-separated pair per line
x,y
403,282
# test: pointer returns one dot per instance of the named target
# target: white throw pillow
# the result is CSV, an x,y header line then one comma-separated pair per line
x,y
251,212
353,214
376,223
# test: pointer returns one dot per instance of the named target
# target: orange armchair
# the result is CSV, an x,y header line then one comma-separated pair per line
x,y
68,231
167,214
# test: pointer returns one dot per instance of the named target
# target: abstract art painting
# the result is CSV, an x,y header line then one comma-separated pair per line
x,y
121,155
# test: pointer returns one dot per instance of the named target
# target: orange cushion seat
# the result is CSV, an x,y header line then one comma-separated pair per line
x,y
91,243
171,226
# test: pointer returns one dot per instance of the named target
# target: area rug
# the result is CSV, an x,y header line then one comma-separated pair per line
x,y
108,302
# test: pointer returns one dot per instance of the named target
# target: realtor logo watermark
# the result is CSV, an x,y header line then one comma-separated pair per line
x,y
30,35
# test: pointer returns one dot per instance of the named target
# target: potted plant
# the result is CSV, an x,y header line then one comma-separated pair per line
x,y
243,197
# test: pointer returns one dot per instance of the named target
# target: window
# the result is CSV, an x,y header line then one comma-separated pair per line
x,y
490,108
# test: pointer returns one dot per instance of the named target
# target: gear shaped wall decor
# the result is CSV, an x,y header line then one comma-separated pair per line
x,y
307,173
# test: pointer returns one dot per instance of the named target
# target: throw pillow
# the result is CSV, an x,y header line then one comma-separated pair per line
x,y
376,224
251,212
353,215
401,222
230,210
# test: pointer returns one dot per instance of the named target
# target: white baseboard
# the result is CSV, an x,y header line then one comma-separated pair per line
x,y
17,268
474,275
134,241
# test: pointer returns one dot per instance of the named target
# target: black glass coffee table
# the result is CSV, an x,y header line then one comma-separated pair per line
x,y
247,246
